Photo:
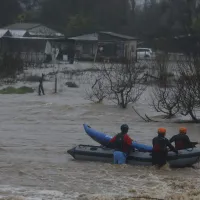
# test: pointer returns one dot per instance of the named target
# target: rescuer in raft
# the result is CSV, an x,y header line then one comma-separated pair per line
x,y
122,145
181,140
160,151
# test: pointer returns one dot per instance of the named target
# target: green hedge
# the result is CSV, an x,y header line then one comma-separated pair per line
x,y
12,90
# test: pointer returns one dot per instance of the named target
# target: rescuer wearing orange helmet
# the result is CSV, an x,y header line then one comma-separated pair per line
x,y
181,140
160,152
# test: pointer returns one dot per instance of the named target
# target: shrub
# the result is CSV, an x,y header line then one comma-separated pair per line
x,y
12,90
71,84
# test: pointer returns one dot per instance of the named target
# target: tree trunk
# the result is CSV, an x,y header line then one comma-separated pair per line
x,y
123,103
193,116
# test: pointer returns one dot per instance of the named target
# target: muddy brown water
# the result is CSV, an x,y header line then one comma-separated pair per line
x,y
37,131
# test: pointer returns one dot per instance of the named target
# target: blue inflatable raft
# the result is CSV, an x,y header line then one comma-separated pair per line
x,y
104,139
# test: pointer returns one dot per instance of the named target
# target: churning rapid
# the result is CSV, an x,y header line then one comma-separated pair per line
x,y
37,131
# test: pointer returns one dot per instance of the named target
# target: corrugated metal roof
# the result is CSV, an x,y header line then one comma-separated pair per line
x,y
17,33
44,31
30,29
87,37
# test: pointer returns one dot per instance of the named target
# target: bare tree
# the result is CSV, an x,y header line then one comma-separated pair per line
x,y
120,83
98,91
165,96
124,82
162,65
184,95
166,100
188,86
188,100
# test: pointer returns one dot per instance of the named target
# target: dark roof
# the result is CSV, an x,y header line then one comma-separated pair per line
x,y
125,37
22,26
86,37
94,36
40,38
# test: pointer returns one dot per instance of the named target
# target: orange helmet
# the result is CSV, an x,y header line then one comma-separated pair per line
x,y
183,130
162,131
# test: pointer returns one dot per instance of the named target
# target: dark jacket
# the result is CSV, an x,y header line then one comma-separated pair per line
x,y
182,141
160,144
41,79
160,151
121,142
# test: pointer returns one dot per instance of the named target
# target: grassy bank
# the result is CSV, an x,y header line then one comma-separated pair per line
x,y
12,90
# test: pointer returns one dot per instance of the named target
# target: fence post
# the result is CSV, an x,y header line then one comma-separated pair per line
x,y
56,82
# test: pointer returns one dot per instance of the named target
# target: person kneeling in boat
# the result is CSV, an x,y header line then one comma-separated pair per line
x,y
122,145
182,141
160,151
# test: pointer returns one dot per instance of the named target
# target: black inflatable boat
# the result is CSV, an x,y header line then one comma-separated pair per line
x,y
186,157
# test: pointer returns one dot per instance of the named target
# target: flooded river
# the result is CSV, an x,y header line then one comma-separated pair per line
x,y
37,131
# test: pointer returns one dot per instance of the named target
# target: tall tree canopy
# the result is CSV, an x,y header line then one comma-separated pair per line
x,y
100,15
9,11
154,19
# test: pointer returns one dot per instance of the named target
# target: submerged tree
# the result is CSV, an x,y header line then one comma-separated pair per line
x,y
162,68
164,95
183,95
120,83
98,92
125,83
188,85
166,100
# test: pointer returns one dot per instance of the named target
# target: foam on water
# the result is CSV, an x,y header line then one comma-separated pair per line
x,y
25,193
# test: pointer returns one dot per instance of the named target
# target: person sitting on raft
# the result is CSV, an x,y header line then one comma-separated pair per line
x,y
181,140
160,151
122,145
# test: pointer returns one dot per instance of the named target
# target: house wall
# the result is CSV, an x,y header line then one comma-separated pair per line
x,y
30,50
26,45
3,45
86,49
118,49
22,45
